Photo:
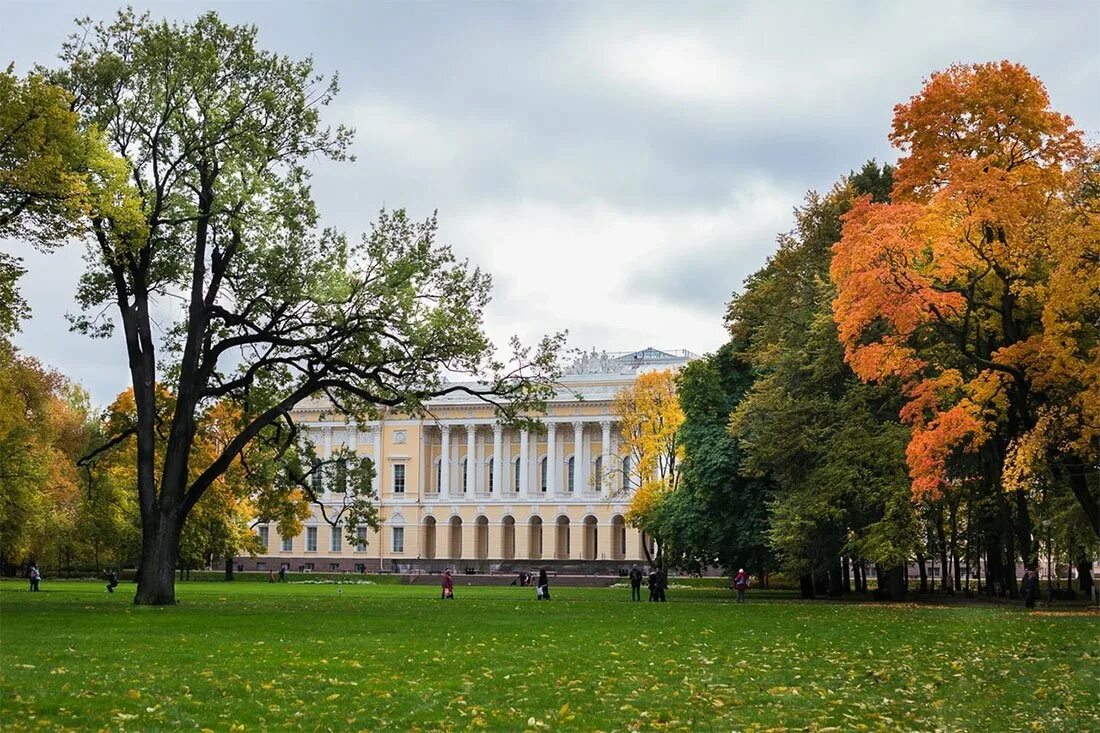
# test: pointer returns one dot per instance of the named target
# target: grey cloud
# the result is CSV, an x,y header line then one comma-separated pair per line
x,y
644,110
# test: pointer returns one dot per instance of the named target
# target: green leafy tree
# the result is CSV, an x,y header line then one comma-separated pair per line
x,y
831,446
719,517
216,134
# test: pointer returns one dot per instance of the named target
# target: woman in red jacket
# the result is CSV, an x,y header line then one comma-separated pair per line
x,y
448,585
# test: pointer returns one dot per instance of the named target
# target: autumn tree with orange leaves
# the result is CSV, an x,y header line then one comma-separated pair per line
x,y
975,289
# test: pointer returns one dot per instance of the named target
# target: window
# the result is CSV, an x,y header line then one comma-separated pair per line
x,y
311,539
336,541
599,472
399,478
316,478
542,472
398,539
288,544
572,471
334,567
360,539
517,483
626,473
465,475
308,567
263,532
360,567
491,475
261,566
439,475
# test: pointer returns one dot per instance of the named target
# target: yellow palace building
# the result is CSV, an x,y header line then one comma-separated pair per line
x,y
458,490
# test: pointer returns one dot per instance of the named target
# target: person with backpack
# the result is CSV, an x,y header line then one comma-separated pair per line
x,y
635,584
741,584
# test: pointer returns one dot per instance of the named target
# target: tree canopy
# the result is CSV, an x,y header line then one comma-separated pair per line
x,y
213,233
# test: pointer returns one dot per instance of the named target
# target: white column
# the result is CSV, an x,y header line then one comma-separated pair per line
x,y
498,487
376,456
444,466
604,478
327,447
551,463
471,460
579,474
523,468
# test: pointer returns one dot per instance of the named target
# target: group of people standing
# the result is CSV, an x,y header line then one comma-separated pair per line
x,y
657,582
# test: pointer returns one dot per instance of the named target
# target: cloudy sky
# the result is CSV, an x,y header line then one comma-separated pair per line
x,y
618,167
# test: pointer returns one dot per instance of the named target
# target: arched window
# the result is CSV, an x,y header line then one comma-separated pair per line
x,y
491,475
626,473
517,466
542,473
599,472
572,466
465,476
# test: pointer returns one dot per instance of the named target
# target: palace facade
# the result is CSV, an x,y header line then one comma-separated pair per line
x,y
459,490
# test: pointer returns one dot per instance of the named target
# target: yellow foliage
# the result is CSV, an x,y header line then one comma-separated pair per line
x,y
650,417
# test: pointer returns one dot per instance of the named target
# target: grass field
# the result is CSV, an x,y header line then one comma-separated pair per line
x,y
251,656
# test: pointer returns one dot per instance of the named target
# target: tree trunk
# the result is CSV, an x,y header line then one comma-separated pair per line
x,y
836,583
846,574
160,553
953,520
1084,574
923,573
806,585
1079,484
894,583
229,568
994,567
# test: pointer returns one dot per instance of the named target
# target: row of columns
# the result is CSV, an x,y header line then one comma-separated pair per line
x,y
580,475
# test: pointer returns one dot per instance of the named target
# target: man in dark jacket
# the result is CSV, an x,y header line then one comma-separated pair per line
x,y
662,584
635,584
1030,587
654,582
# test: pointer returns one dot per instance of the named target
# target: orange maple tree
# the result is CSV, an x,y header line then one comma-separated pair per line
x,y
976,287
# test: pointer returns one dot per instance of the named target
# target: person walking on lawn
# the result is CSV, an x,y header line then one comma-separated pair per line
x,y
542,593
741,584
448,585
1029,588
635,584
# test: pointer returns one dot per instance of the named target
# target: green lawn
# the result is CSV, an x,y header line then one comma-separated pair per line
x,y
250,656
